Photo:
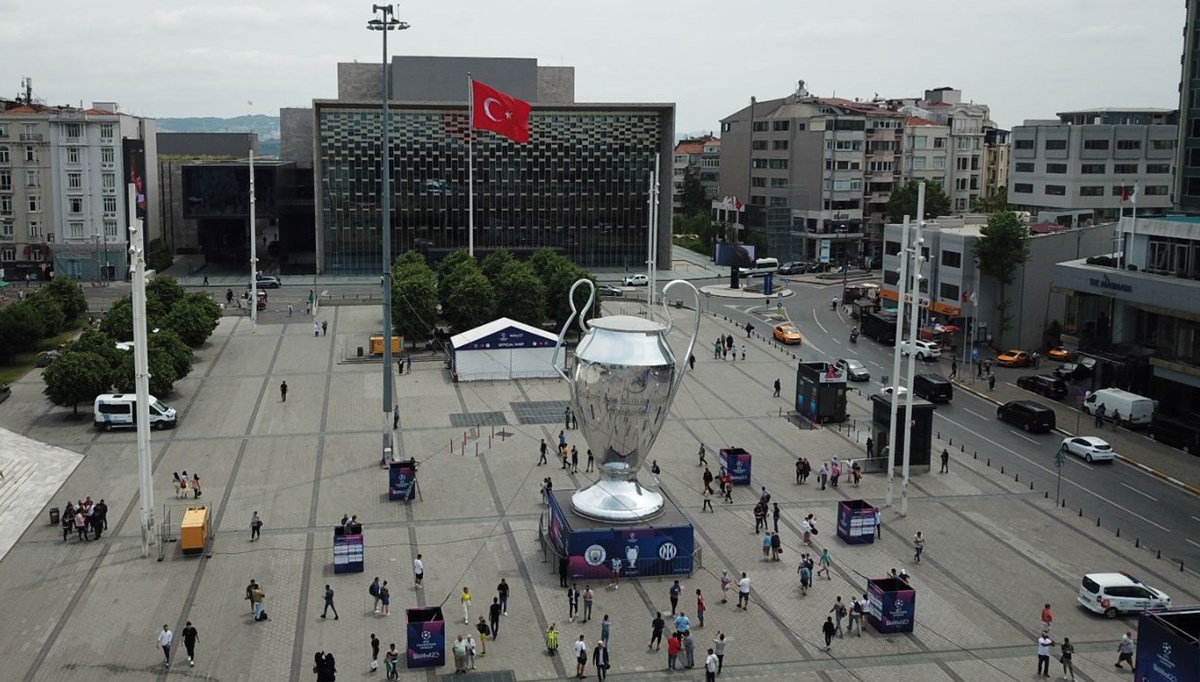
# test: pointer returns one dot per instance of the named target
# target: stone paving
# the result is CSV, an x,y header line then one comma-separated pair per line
x,y
996,550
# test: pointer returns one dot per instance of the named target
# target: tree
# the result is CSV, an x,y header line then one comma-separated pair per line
x,y
903,202
495,262
162,373
165,292
694,198
118,321
76,377
47,307
471,300
158,255
520,295
1003,247
450,269
20,328
69,295
192,320
178,353
409,259
544,261
415,302
558,301
996,202
96,342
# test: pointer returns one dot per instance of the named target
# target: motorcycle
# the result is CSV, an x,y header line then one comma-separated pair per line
x,y
853,337
833,304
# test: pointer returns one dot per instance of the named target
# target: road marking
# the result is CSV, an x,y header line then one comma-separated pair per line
x,y
1152,498
974,413
1019,435
818,321
875,363
1196,518
1048,470
1191,542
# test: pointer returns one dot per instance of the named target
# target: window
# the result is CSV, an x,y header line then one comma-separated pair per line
x,y
1158,169
106,155
1056,145
1056,168
758,163
844,185
8,253
1129,144
33,178
1162,145
952,259
75,205
1118,190
109,182
761,126
3,130
5,181
1024,167
35,253
30,153
963,164
6,205
891,248
758,145
1095,144
110,204
1125,169
939,143
725,127
74,181
75,230
939,163
777,164
110,229
845,145
778,201
1093,169
72,154
31,131
1056,190
891,277
6,231
949,291
778,145
758,182
1023,144
780,125
960,184
779,182
918,163
1155,190
710,163
1023,188
919,142
106,131
4,158
35,229
34,204
1091,191
72,130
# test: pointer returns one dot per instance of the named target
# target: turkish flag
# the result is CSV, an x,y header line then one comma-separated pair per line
x,y
499,113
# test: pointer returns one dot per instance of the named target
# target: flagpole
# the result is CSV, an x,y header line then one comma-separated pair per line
x,y
470,168
1132,228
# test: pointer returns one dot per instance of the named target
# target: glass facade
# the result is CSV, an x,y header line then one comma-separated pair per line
x,y
579,186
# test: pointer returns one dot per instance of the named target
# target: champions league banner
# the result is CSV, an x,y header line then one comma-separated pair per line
x,y
1167,651
737,462
426,638
641,551
891,605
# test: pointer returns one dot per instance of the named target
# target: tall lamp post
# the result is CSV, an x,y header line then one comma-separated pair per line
x,y
383,22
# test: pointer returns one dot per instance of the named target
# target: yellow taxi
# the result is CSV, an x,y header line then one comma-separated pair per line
x,y
1061,354
1014,358
786,332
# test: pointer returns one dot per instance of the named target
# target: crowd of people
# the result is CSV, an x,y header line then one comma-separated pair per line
x,y
83,517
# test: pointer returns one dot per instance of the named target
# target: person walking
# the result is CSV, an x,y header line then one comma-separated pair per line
x,y
329,603
683,624
374,652
373,590
870,448
760,517
418,572
502,593
828,630
825,562
164,640
591,461
856,612
471,650
823,474
743,592
719,643
1047,619
283,392
700,608
385,599
257,595
1100,416
945,461
255,526
605,629
324,327
542,450
465,600
574,460
581,657
484,631
805,574
190,637
953,368
600,658
494,611
1125,650
656,631
703,461
775,513
726,581
1116,419
1066,652
689,650
835,472
616,573
692,362
706,501
1043,654
918,546
552,639
991,382
674,592
776,546
672,650
839,612
587,603
777,387
572,602
711,663
316,327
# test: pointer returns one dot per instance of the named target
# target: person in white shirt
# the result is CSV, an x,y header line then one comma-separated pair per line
x,y
581,656
418,572
743,592
164,640
1043,654
710,667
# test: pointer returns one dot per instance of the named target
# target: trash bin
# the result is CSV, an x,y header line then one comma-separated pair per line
x,y
55,518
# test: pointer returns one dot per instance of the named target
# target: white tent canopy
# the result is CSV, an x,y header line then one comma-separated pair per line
x,y
503,349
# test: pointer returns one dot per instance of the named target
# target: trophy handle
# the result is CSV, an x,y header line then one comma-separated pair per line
x,y
575,312
670,322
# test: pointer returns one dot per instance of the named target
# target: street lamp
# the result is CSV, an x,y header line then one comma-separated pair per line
x,y
383,22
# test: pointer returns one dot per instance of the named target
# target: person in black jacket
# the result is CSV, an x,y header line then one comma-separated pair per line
x,y
600,659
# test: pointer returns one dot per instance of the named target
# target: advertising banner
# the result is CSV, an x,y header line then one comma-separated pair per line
x,y
426,638
1167,646
856,522
735,255
557,529
824,257
891,605
402,477
642,551
737,462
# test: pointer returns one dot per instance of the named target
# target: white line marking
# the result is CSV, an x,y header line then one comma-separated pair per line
x,y
1152,498
1196,518
1018,435
1046,469
975,413
818,321
1191,542
872,362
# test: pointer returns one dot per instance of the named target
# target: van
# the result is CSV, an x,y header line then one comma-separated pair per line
x,y
119,410
762,266
1112,594
1134,410
1028,415
933,387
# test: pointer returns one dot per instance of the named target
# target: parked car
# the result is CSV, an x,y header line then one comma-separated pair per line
x,y
1028,415
924,350
887,390
1081,368
933,387
266,282
46,357
1014,358
854,370
1134,410
1061,354
1046,385
1115,593
1090,448
636,281
1177,432
786,333
792,268
609,290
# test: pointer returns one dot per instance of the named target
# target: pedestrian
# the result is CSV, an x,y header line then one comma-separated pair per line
x,y
195,487
395,417
744,592
706,496
689,650
719,643
692,362
250,595
856,612
743,358
564,570
839,612
1125,650
324,327
574,460
675,591
255,526
1043,654
316,325
825,562
823,474
465,600
289,310
374,652
672,650
283,392
591,461
190,637
408,362
502,592
806,528
855,472
562,440
1116,419
1037,359
777,387
459,649
471,649
1047,619
991,381
329,603
775,513
717,350
373,590
567,417
760,517
776,546
918,546
1100,417
711,664
605,629
587,603
870,448
581,657
729,341
703,461
726,581
835,472
828,630
683,624
945,461
542,450
727,486
81,524
1066,651
494,612
229,296
656,630
164,640
418,572
708,479
552,639
385,599
616,573
863,619
700,609
805,574
953,368
484,630
979,370
600,658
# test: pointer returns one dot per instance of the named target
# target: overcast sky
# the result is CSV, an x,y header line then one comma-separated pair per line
x,y
1024,58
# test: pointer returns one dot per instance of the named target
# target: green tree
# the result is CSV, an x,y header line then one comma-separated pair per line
x,y
162,373
471,300
694,199
118,321
495,262
450,269
190,319
558,302
409,259
178,353
53,318
76,377
520,295
165,292
903,202
159,256
21,328
544,261
69,295
95,341
996,202
1002,248
414,302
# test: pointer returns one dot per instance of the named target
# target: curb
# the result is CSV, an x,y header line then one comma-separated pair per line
x,y
1127,460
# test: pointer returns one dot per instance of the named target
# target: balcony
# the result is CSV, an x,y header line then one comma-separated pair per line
x,y
31,137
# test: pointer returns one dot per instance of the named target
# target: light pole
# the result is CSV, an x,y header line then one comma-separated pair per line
x,y
141,373
383,22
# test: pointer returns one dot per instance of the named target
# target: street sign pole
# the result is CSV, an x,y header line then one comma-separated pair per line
x,y
1058,465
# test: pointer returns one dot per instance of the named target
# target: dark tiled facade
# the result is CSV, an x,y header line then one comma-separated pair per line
x,y
579,186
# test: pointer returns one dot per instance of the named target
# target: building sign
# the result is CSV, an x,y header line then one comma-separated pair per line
x,y
1106,283
509,338
824,251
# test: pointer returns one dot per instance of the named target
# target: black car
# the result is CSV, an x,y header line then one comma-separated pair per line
x,y
1074,371
1044,385
1028,415
45,358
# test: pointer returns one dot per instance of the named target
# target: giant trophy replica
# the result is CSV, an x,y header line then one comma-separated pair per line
x,y
622,384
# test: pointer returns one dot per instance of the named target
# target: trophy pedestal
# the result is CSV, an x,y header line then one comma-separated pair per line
x,y
615,501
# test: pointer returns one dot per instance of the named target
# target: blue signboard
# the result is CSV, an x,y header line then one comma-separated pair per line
x,y
1167,649
891,605
856,522
402,476
426,638
510,337
768,284
642,551
737,462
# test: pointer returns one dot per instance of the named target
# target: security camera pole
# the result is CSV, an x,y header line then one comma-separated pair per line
x,y
141,370
901,286
915,291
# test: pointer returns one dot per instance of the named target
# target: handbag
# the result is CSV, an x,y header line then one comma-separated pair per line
x,y
374,665
814,530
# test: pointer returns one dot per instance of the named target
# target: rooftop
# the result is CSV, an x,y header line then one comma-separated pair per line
x,y
1117,110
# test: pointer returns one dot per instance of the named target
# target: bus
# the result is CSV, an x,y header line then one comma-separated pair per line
x,y
762,266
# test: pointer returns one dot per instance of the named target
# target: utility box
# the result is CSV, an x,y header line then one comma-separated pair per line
x,y
193,532
376,344
920,430
821,392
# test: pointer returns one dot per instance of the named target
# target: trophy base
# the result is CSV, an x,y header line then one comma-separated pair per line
x,y
617,502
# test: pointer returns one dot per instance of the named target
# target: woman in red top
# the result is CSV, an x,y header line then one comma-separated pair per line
x,y
700,607
672,650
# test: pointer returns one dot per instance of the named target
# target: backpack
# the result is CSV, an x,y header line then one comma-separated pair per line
x,y
373,590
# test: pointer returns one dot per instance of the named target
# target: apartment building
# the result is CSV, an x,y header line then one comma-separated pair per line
x,y
817,171
701,156
1187,163
63,198
996,152
1081,168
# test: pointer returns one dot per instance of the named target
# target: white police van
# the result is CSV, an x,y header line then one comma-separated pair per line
x,y
119,410
1112,594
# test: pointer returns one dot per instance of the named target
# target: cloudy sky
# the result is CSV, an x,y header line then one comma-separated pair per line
x,y
1024,58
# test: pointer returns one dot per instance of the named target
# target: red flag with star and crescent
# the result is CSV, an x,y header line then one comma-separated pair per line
x,y
500,113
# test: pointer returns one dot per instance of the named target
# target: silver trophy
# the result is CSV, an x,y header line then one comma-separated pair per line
x,y
622,384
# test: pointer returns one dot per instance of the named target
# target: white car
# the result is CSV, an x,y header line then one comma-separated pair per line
x,y
636,281
1090,448
922,349
887,390
1115,593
